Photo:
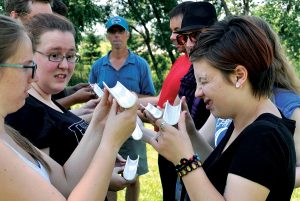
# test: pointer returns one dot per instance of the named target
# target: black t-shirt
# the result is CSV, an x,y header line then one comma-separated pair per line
x,y
264,153
45,127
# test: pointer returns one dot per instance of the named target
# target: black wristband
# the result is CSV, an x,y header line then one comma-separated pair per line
x,y
187,165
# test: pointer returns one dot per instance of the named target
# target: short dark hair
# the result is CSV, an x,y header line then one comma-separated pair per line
x,y
179,9
60,8
21,6
238,41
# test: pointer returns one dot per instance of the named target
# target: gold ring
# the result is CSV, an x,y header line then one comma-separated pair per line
x,y
162,125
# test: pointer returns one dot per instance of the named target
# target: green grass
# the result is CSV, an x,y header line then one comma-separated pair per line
x,y
296,195
150,182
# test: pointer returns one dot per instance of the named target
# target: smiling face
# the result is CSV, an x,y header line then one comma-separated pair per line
x,y
15,82
53,76
217,92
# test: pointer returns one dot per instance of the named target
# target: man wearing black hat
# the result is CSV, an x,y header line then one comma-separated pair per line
x,y
198,16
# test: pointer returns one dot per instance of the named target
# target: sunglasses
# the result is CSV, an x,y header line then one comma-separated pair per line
x,y
33,67
116,30
182,38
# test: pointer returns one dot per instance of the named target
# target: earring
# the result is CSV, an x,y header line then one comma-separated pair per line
x,y
237,85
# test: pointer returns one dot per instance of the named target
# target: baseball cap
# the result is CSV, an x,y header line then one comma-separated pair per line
x,y
197,16
117,21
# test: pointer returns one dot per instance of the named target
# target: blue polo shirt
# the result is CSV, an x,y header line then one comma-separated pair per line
x,y
135,74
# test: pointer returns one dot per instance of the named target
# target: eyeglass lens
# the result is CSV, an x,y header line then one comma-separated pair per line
x,y
182,38
55,57
58,58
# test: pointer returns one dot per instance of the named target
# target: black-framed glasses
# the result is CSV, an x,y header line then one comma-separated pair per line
x,y
182,38
72,58
33,67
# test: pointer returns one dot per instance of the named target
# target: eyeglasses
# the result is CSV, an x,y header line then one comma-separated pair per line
x,y
116,30
33,67
72,58
182,38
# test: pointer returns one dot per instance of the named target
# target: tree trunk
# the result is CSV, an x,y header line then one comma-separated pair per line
x,y
158,18
146,37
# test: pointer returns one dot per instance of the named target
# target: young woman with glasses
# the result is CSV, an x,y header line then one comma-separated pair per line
x,y
42,120
27,173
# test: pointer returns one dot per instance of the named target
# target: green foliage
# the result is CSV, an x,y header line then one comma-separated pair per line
x,y
89,51
296,195
90,48
80,74
149,26
151,189
2,7
284,17
85,14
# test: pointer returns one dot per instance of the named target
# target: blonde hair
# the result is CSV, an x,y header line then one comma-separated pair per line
x,y
26,146
11,34
284,72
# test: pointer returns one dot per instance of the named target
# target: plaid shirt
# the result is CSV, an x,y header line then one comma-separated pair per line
x,y
196,105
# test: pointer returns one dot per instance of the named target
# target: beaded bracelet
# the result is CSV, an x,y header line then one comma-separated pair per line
x,y
187,165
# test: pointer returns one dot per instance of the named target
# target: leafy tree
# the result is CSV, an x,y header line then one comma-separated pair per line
x,y
151,27
283,15
89,52
85,14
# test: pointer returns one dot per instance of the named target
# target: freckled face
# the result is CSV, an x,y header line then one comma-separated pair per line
x,y
53,75
214,89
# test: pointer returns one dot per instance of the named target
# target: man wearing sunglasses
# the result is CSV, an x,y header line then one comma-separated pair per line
x,y
121,64
169,91
198,16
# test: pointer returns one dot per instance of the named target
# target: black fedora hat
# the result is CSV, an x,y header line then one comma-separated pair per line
x,y
197,16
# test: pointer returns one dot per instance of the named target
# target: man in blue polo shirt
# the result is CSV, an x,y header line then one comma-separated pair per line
x,y
121,64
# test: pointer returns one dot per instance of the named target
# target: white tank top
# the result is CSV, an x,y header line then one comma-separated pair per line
x,y
39,168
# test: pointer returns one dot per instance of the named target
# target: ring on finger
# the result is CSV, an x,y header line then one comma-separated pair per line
x,y
157,136
162,125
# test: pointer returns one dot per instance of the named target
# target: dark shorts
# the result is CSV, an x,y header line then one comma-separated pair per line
x,y
133,148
